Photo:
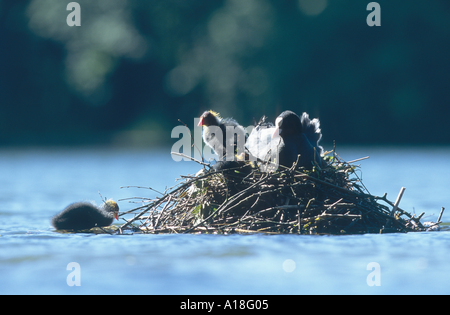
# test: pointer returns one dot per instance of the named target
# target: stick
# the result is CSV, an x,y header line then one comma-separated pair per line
x,y
334,151
332,205
440,215
397,202
190,158
142,187
161,213
101,197
103,229
360,159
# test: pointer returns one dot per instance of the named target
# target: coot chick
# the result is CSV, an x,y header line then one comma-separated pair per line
x,y
300,136
224,135
242,168
85,215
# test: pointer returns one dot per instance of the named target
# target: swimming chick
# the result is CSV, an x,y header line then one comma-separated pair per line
x,y
85,215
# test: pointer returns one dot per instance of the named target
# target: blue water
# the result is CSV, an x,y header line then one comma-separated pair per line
x,y
37,183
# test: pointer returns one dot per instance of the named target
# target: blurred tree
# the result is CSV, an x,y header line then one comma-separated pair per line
x,y
141,65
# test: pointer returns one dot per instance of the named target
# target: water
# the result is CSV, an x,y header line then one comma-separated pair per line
x,y
37,184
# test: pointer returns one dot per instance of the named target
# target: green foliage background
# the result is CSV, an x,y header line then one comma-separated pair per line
x,y
133,68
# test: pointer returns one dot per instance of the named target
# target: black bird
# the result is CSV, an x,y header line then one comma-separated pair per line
x,y
224,135
300,136
237,168
85,215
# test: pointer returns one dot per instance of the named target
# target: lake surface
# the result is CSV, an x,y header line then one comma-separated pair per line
x,y
38,183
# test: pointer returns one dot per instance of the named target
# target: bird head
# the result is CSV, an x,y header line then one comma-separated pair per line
x,y
209,118
112,207
287,123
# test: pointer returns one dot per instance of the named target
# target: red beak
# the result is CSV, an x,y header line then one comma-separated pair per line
x,y
200,123
117,216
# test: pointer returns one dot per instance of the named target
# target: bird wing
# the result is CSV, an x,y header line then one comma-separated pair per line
x,y
311,129
261,144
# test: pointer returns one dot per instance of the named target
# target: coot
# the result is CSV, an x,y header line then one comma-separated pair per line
x,y
85,215
299,136
224,135
237,168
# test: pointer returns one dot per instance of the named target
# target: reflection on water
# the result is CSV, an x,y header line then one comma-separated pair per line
x,y
36,184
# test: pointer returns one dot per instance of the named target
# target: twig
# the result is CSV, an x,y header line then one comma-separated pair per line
x,y
103,230
357,160
190,158
440,215
161,213
397,202
142,187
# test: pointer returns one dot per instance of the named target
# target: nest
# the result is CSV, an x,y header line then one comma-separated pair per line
x,y
327,200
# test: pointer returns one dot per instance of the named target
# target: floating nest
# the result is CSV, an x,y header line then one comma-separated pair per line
x,y
327,200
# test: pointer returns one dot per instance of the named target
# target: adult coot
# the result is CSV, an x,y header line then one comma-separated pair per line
x,y
85,215
224,135
300,136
